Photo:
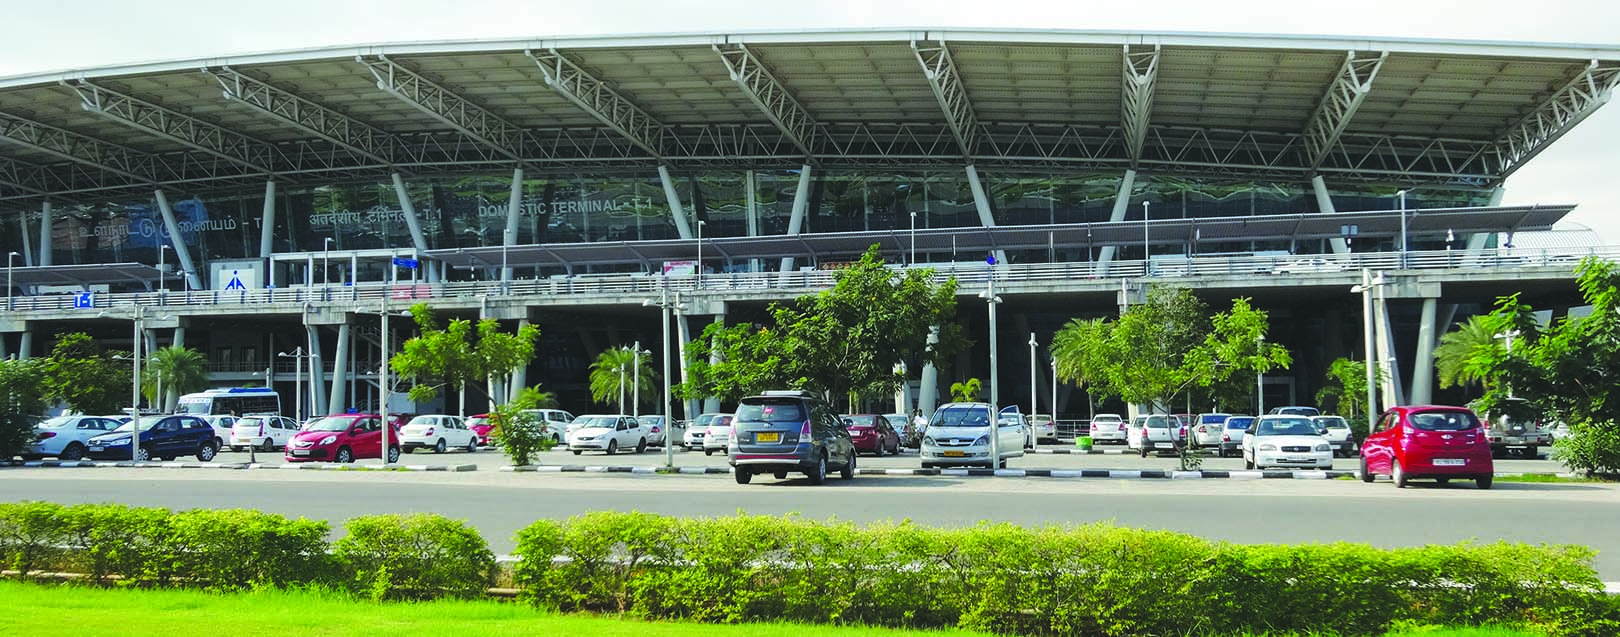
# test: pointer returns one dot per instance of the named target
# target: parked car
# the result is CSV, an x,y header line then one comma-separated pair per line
x,y
1207,430
1428,441
1285,441
439,433
165,437
910,433
1109,428
660,429
1511,437
481,425
555,421
344,438
267,432
785,431
1153,434
1043,428
873,434
67,437
718,436
1337,432
959,434
607,432
222,424
693,439
1234,431
1295,410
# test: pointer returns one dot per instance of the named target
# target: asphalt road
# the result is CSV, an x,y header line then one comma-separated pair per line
x,y
1248,511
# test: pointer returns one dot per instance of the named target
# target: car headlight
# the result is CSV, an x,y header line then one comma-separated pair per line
x,y
327,440
1324,447
928,441
983,440
1268,447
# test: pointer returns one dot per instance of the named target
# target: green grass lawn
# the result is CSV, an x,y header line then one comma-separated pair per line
x,y
44,610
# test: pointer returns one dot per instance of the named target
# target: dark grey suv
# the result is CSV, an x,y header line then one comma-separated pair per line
x,y
779,432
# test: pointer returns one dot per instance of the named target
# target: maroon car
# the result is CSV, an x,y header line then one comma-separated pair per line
x,y
872,434
1428,441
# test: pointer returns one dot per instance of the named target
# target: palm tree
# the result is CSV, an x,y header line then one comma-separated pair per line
x,y
1457,346
178,370
613,375
533,398
967,391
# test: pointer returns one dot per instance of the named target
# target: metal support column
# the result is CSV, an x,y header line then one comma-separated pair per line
x,y
180,248
1423,364
267,222
1324,205
1122,202
340,371
45,233
754,265
513,205
317,373
409,210
28,247
674,199
801,203
981,201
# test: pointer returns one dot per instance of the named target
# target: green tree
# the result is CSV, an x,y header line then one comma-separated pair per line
x,y
181,370
517,432
1163,347
842,341
1457,346
538,399
1346,390
966,391
459,353
22,399
613,378
84,376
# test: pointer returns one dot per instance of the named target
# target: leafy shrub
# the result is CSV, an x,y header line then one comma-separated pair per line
x,y
416,557
238,549
1591,447
108,540
519,434
31,535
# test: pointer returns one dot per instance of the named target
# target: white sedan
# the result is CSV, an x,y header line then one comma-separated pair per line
x,y
608,433
267,433
439,433
64,436
1285,441
1109,428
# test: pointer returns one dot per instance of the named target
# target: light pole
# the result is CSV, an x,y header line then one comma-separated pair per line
x,y
1365,289
1508,336
1054,392
163,273
1403,228
666,306
699,269
1260,381
1145,250
913,260
326,262
298,382
1032,385
134,384
384,388
635,387
991,301
10,260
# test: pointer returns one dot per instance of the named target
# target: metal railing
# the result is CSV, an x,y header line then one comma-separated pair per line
x,y
642,284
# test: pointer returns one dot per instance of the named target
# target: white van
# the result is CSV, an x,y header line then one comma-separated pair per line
x,y
236,401
959,435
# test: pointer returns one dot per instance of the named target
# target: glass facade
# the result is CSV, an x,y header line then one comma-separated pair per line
x,y
472,211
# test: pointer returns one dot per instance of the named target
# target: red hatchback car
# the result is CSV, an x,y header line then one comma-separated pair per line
x,y
1428,441
343,438
873,434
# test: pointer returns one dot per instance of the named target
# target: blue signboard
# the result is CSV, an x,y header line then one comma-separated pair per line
x,y
406,263
84,300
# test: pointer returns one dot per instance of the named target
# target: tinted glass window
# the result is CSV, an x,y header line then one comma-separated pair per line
x,y
1332,422
605,422
862,421
1238,423
1443,421
963,416
1286,427
771,410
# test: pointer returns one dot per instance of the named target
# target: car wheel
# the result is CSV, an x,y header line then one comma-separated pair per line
x,y
708,452
742,475
144,454
1144,451
613,447
268,445
1248,463
206,452
576,452
439,447
781,475
641,445
472,446
1398,474
1443,480
344,456
1366,475
393,455
818,473
74,451
237,449
1483,482
848,473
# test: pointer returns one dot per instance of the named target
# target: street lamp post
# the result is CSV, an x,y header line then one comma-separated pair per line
x,y
163,273
1145,250
10,260
635,385
989,295
698,271
1054,392
1403,227
1260,381
1365,289
1032,384
913,260
298,381
134,384
384,388
666,306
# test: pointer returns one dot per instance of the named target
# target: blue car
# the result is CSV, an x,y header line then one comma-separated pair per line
x,y
161,437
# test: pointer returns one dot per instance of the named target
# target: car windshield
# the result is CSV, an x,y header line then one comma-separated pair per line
x,y
771,410
250,422
963,416
862,421
1157,422
330,424
422,420
1332,422
1444,421
477,420
1109,419
1286,427
58,422
606,422
1238,423
146,423
652,420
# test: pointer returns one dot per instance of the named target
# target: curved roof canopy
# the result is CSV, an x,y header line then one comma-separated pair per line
x,y
1238,106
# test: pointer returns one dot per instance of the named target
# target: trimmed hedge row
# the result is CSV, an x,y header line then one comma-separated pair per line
x,y
1060,580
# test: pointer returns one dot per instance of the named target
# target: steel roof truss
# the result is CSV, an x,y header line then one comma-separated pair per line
x,y
1350,86
770,96
948,88
598,100
215,140
1565,108
325,123
89,151
446,106
1141,72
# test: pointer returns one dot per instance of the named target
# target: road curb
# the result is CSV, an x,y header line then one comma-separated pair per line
x,y
1150,474
313,466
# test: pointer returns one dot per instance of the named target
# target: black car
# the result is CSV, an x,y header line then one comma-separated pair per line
x,y
781,432
163,437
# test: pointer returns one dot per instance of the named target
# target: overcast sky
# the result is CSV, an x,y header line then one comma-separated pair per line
x,y
1581,168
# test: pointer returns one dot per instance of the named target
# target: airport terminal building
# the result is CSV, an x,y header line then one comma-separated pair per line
x,y
263,209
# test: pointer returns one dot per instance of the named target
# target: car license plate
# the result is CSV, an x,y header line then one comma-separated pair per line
x,y
952,454
1515,441
1450,462
768,436
300,452
97,448
1163,445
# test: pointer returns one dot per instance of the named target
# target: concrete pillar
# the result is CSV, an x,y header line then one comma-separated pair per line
x,y
712,404
317,373
1476,241
45,223
181,250
409,210
981,202
801,203
520,376
340,371
1392,395
514,205
754,265
928,388
675,211
267,221
25,345
1122,202
1324,205
5,346
684,329
179,336
28,247
1423,364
